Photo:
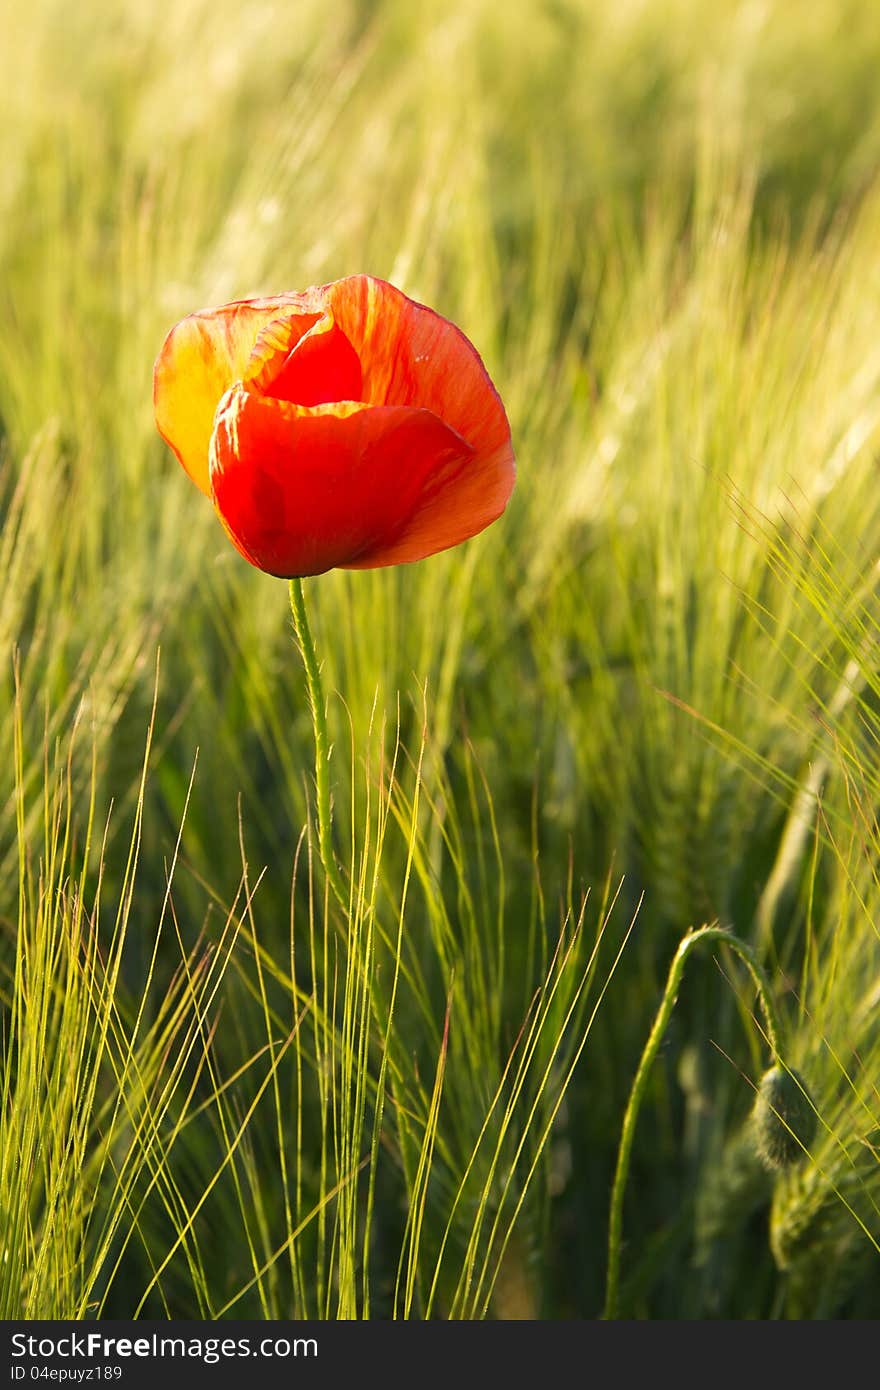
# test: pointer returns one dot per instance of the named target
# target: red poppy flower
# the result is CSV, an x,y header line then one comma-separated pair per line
x,y
343,426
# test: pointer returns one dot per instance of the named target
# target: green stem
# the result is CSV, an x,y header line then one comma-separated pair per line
x,y
664,1013
322,746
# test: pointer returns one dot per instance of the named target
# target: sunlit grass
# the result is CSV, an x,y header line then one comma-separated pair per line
x,y
645,699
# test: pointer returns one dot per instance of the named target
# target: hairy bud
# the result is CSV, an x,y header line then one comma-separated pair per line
x,y
783,1118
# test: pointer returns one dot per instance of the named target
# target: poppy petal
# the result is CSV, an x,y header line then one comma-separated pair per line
x,y
274,342
455,504
410,355
200,359
301,490
310,368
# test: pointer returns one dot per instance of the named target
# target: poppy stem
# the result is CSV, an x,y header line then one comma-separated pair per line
x,y
322,747
664,1013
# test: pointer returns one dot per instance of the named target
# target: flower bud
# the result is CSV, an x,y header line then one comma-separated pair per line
x,y
783,1118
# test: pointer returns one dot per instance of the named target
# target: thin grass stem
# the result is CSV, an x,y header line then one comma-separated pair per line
x,y
306,645
664,1013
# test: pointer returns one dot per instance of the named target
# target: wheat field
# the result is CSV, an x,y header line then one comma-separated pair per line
x,y
645,700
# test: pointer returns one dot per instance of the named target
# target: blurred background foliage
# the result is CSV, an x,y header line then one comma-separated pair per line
x,y
652,684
